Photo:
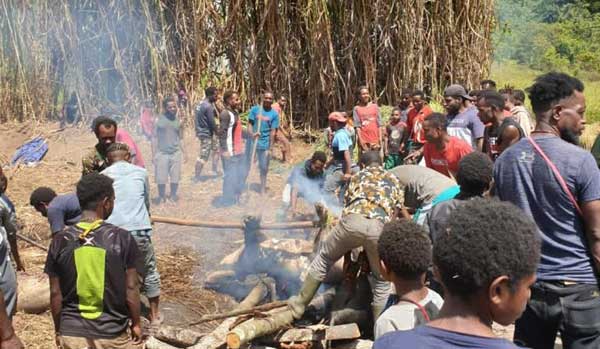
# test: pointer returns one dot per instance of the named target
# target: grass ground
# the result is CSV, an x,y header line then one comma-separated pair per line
x,y
521,77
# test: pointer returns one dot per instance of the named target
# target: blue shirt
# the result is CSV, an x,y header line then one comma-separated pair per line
x,y
309,186
523,178
131,196
270,121
63,210
340,143
466,126
427,337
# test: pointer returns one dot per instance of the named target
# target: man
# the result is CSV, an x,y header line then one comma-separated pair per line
x,y
416,117
167,150
131,213
265,122
8,222
8,277
474,176
232,149
442,152
373,198
283,135
135,152
61,210
489,85
557,183
340,167
367,122
423,189
105,130
405,104
206,128
462,121
94,291
514,101
503,131
306,181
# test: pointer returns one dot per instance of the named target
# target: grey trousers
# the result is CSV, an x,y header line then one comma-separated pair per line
x,y
353,231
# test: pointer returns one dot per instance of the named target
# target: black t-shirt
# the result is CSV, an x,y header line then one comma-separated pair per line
x,y
493,137
396,134
92,275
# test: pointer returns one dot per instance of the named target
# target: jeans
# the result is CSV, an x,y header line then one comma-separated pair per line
x,y
574,310
353,231
334,181
234,177
147,261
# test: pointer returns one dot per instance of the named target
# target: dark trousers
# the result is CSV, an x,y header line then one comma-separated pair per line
x,y
234,177
574,310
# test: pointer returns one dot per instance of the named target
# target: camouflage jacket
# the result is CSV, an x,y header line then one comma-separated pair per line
x,y
93,162
374,193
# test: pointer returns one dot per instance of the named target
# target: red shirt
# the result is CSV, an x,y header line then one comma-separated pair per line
x,y
446,161
124,137
415,120
368,121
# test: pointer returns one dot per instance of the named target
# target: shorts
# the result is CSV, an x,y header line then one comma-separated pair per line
x,y
168,167
147,263
207,145
120,342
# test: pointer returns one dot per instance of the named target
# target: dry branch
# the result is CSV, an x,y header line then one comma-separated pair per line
x,y
238,312
232,225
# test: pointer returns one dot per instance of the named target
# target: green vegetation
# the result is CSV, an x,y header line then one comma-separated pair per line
x,y
562,35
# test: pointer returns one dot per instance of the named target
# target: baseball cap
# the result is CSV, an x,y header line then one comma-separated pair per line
x,y
456,91
338,116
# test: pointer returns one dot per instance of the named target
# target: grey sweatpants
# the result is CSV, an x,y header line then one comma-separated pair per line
x,y
353,231
168,167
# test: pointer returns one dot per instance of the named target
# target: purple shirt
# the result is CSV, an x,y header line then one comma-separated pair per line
x,y
466,126
427,337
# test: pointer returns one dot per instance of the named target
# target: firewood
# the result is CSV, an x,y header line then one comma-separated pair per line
x,y
232,225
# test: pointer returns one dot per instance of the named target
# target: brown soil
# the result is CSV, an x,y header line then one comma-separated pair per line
x,y
185,254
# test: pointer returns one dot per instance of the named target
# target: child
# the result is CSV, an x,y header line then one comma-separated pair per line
x,y
486,261
405,254
396,135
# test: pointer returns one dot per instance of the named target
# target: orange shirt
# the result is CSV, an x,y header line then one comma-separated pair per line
x,y
415,120
446,161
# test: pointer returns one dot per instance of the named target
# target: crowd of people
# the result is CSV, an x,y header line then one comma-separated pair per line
x,y
477,215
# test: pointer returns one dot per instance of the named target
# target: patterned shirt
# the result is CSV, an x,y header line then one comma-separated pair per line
x,y
93,162
374,193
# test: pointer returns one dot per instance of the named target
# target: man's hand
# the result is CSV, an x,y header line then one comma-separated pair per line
x,y
226,154
255,135
136,334
347,177
13,342
20,267
414,155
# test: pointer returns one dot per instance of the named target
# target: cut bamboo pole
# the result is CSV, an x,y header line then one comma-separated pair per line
x,y
258,327
232,225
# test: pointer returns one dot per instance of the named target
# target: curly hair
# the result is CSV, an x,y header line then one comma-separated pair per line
x,y
93,188
485,239
475,173
438,120
492,98
549,89
41,195
405,249
104,121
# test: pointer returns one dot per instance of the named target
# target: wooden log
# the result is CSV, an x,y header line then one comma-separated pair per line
x,y
238,312
215,339
232,225
153,343
318,333
258,327
179,337
31,242
33,293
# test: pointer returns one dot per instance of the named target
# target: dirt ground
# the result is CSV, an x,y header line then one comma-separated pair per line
x,y
185,254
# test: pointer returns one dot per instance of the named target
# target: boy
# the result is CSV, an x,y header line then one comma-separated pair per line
x,y
395,136
167,148
486,262
405,254
131,212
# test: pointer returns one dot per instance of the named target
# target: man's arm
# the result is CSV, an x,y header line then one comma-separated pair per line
x,y
510,136
8,337
133,304
181,144
224,120
55,302
347,165
293,198
591,218
480,144
10,224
